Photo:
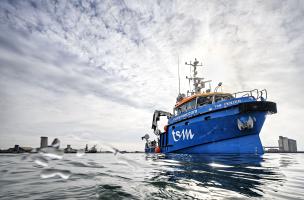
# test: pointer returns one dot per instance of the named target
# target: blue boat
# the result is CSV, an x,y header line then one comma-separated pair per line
x,y
212,122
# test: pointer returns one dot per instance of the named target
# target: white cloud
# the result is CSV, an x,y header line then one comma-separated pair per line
x,y
98,70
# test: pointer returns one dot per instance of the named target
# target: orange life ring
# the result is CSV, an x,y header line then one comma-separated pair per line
x,y
157,149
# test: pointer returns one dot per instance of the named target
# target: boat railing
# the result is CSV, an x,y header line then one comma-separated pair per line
x,y
263,95
255,93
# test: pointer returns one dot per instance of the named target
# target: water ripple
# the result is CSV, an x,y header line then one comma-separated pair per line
x,y
148,176
50,173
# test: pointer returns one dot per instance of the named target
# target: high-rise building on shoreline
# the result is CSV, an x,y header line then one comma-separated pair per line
x,y
43,142
287,145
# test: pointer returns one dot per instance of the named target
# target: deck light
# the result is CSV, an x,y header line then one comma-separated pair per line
x,y
218,85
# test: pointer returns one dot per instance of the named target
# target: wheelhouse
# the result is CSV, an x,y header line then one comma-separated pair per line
x,y
199,100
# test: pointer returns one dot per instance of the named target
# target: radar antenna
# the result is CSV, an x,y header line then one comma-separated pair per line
x,y
198,83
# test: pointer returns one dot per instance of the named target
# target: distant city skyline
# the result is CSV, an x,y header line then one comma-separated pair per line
x,y
93,72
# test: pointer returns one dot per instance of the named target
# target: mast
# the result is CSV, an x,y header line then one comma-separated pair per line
x,y
198,82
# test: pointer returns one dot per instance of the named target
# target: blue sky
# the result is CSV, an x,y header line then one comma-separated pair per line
x,y
94,71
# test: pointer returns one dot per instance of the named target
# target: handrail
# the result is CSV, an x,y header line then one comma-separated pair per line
x,y
248,93
255,93
261,95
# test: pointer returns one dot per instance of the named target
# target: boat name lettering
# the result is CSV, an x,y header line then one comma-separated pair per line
x,y
184,135
218,105
185,115
232,102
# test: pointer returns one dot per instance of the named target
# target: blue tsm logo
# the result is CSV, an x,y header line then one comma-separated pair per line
x,y
184,134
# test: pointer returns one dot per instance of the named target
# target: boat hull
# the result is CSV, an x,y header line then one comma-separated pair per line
x,y
219,132
233,129
249,144
220,128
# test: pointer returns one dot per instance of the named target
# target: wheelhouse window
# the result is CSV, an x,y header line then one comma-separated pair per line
x,y
185,107
222,97
201,101
204,100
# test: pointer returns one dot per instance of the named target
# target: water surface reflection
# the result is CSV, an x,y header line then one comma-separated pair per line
x,y
224,176
142,176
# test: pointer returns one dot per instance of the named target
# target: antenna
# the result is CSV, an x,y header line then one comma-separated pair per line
x,y
197,82
178,74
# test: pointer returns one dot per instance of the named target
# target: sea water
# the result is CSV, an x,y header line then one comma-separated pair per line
x,y
151,176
